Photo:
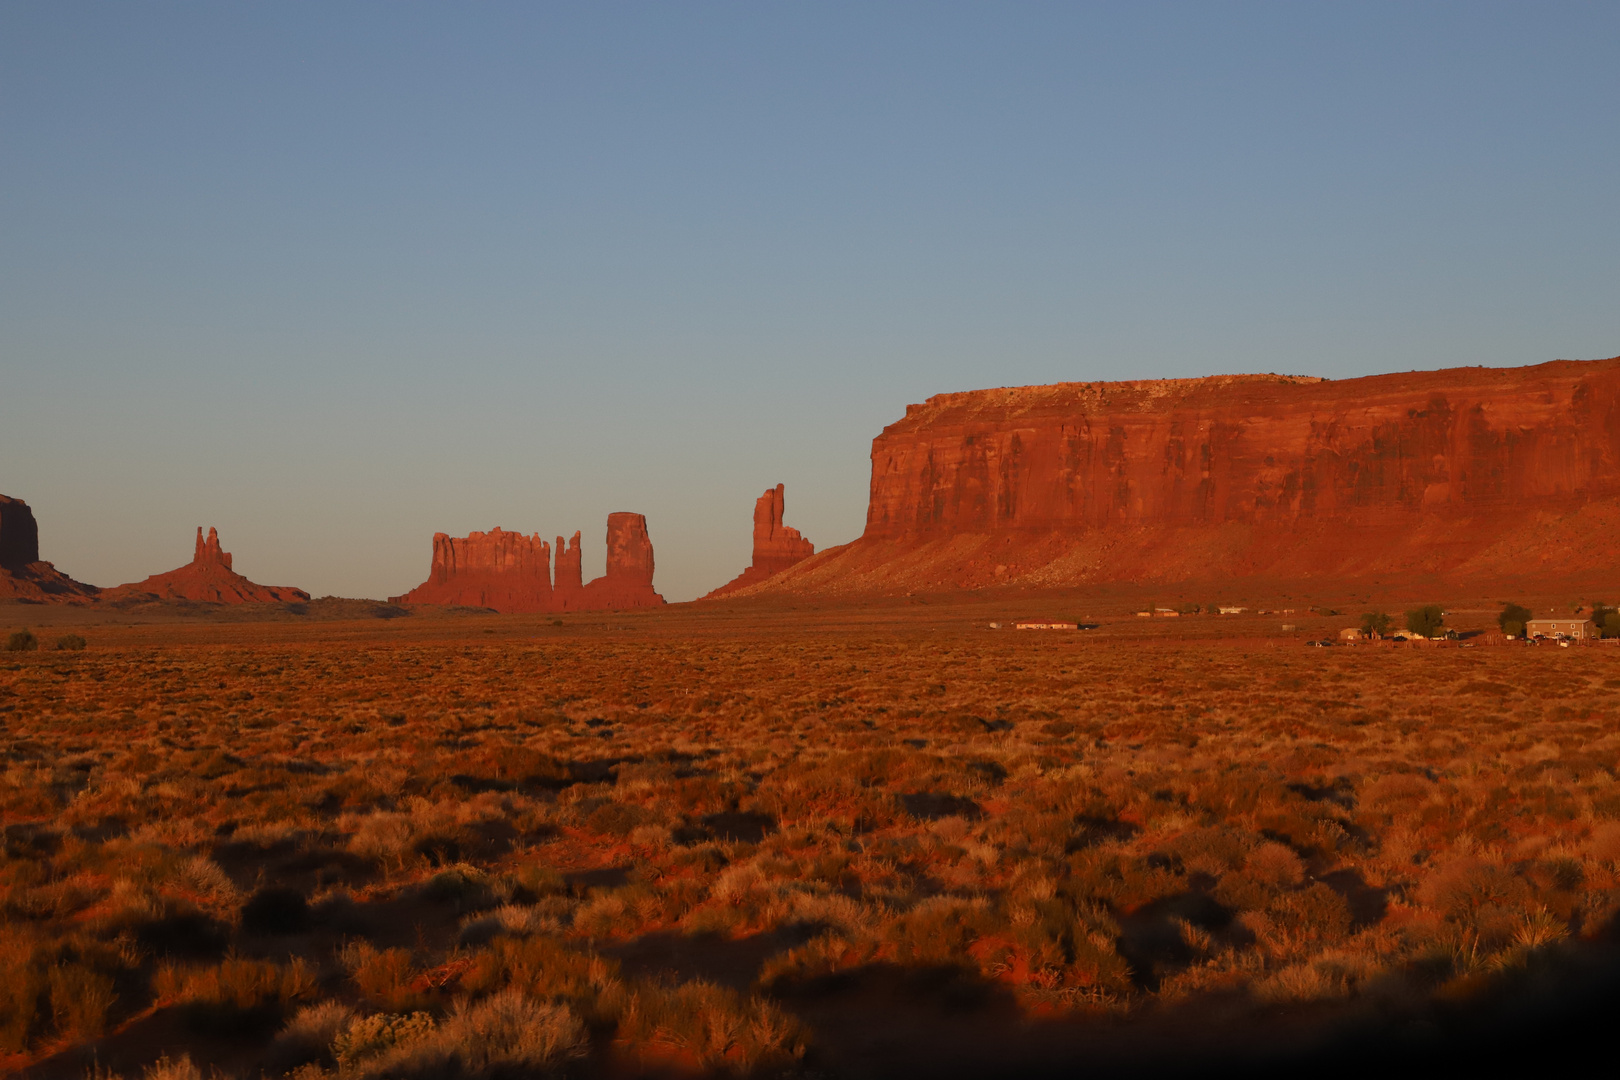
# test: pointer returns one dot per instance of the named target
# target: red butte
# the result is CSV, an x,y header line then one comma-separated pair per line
x,y
22,575
1467,474
208,578
776,546
511,572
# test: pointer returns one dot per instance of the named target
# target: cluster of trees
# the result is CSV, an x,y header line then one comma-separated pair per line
x,y
1427,621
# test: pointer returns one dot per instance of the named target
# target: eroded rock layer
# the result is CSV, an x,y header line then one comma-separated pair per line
x,y
23,575
512,573
1465,474
776,546
208,578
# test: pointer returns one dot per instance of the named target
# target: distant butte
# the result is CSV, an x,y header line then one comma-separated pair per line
x,y
23,576
511,573
208,578
1466,474
776,546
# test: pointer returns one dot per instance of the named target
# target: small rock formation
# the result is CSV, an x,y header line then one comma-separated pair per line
x,y
512,573
208,578
776,546
498,569
22,575
570,578
1483,475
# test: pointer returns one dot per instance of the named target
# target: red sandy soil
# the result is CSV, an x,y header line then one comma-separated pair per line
x,y
801,839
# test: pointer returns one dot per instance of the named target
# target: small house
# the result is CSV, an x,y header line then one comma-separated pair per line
x,y
1047,626
1574,629
1349,634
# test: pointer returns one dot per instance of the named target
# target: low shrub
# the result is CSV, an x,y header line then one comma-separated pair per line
x,y
383,975
22,641
237,993
70,642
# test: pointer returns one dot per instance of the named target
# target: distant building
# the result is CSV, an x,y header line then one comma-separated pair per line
x,y
1349,633
1047,626
1575,629
1232,610
1166,612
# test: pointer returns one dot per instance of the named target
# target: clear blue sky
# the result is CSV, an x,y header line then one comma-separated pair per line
x,y
334,277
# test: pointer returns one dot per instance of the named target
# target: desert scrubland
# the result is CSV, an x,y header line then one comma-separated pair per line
x,y
762,841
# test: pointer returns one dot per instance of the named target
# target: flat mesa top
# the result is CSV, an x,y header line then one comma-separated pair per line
x,y
1260,391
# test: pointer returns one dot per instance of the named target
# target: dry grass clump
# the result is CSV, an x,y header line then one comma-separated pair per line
x,y
712,853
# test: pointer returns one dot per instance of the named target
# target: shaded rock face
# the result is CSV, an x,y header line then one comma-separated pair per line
x,y
512,573
23,576
776,546
19,534
208,578
1469,473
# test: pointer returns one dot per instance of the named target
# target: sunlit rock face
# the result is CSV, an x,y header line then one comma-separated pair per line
x,y
208,578
776,546
510,572
1471,473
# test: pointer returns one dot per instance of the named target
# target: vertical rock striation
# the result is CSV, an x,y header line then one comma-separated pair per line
x,y
498,569
776,546
628,581
1471,474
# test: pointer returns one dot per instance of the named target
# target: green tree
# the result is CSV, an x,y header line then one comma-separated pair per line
x,y
1427,620
1375,624
1512,619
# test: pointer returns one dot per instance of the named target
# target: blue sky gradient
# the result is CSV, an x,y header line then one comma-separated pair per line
x,y
336,277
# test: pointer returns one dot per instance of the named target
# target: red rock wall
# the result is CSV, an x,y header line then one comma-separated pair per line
x,y
776,546
503,570
1444,472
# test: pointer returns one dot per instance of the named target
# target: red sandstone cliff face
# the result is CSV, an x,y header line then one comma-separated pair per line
x,y
628,581
512,573
498,569
776,546
208,578
1469,473
22,575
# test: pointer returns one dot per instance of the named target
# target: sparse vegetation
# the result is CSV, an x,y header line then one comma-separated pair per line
x,y
22,641
691,853
72,642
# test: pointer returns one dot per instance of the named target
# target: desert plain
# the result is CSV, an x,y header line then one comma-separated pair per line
x,y
788,837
